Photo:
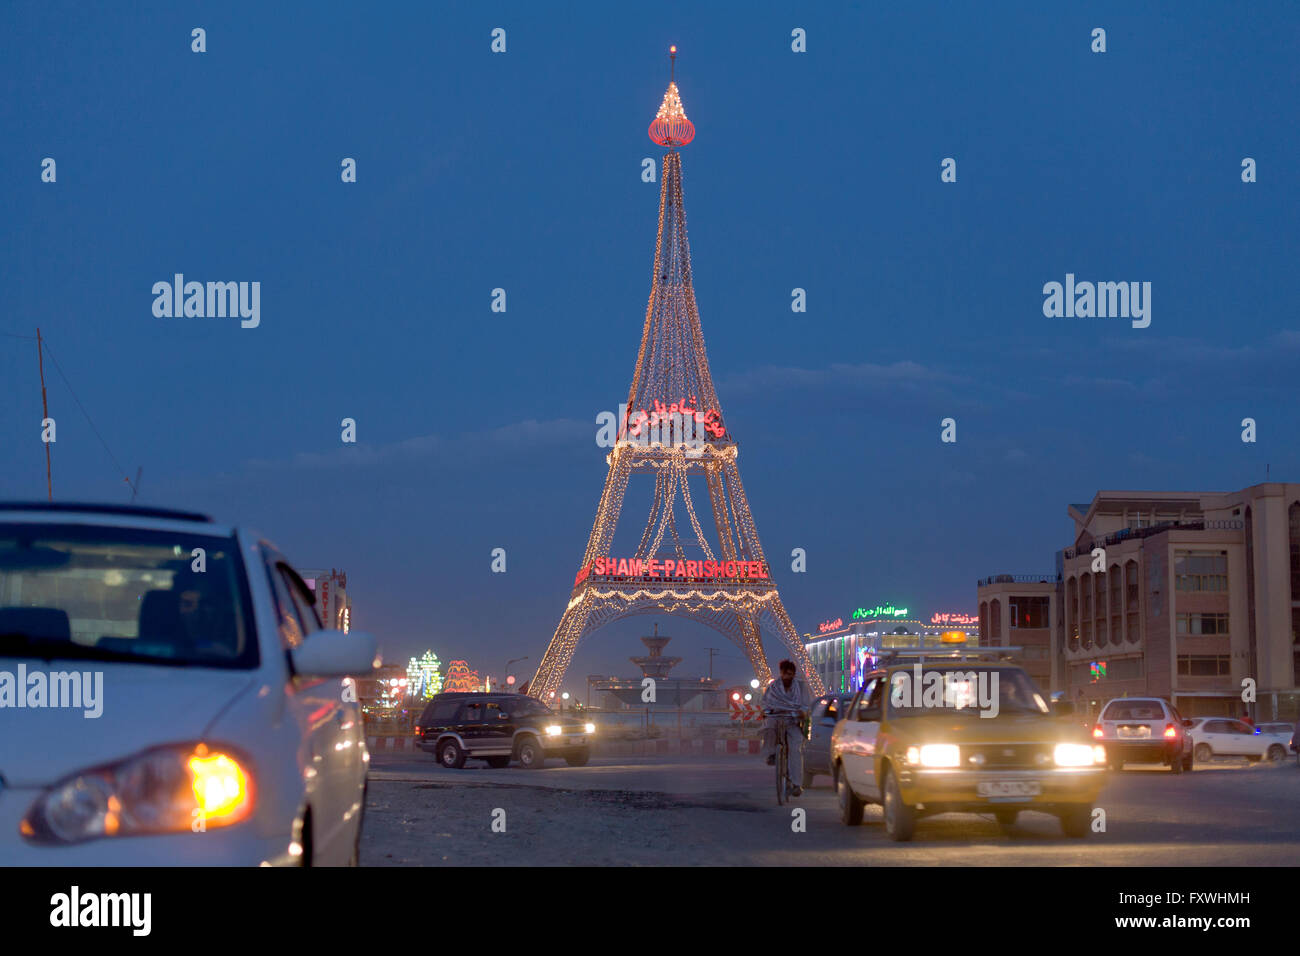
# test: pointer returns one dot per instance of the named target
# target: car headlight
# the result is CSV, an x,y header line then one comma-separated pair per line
x,y
173,789
589,728
553,730
934,755
1078,755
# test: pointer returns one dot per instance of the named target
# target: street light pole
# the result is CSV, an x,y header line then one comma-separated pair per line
x,y
508,663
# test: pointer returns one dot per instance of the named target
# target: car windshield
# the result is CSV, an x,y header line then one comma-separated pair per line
x,y
117,594
964,690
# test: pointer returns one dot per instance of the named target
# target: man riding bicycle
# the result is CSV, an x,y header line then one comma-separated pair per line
x,y
786,702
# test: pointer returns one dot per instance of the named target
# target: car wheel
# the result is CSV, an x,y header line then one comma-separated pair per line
x,y
1115,763
1277,753
1006,818
1176,764
1188,762
577,758
496,763
806,780
850,806
900,819
451,755
530,754
1203,753
1075,821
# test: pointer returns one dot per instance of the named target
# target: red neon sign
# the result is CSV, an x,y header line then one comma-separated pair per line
x,y
955,619
671,568
660,414
825,626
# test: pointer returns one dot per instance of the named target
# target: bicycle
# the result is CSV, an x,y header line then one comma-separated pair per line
x,y
783,782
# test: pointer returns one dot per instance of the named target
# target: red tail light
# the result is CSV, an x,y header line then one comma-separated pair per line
x,y
1171,731
417,731
1096,731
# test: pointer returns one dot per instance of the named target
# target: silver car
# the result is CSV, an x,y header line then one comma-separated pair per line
x,y
817,752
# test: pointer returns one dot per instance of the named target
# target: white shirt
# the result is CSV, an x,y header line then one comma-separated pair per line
x,y
796,698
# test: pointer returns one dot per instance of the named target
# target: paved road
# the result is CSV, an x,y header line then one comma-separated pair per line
x,y
722,811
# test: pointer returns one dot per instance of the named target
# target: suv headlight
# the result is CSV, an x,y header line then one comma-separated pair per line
x,y
934,755
553,730
1078,755
172,789
589,728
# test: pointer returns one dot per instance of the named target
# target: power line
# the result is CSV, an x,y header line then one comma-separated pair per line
x,y
89,420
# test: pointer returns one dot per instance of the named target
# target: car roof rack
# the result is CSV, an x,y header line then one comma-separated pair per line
x,y
141,511
897,655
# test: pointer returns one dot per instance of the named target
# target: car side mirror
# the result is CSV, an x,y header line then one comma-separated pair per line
x,y
1063,708
865,714
334,654
1187,722
503,716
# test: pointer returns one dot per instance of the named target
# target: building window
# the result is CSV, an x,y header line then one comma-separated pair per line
x,y
1202,624
1201,570
995,621
1207,665
1029,611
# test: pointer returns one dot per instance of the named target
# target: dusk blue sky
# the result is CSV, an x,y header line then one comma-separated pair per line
x,y
522,170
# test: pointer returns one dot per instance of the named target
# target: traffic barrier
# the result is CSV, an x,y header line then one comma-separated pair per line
x,y
697,746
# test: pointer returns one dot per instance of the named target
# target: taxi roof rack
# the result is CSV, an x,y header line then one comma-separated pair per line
x,y
990,654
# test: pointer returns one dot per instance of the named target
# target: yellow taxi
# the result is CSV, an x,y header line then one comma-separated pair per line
x,y
955,736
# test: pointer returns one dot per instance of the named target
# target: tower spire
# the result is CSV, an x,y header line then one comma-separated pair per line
x,y
670,126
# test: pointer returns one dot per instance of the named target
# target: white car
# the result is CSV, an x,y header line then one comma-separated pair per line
x,y
1226,737
1281,731
168,696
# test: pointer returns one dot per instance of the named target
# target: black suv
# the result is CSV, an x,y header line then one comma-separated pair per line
x,y
498,728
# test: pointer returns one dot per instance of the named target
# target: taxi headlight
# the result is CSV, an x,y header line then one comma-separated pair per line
x,y
589,728
173,789
934,755
553,730
1076,755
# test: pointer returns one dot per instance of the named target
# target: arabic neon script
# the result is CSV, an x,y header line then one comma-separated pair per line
x,y
660,414
825,626
955,619
864,614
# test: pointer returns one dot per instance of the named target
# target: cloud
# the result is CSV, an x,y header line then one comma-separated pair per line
x,y
468,447
865,375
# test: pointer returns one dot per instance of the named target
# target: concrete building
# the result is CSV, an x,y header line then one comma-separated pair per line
x,y
1184,595
1018,611
844,654
332,601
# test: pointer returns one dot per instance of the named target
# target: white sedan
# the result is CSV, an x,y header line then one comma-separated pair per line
x,y
1225,737
169,696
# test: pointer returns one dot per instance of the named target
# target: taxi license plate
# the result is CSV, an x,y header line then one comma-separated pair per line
x,y
993,789
1135,731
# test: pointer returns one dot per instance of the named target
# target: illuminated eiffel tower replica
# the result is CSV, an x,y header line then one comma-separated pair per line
x,y
672,428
